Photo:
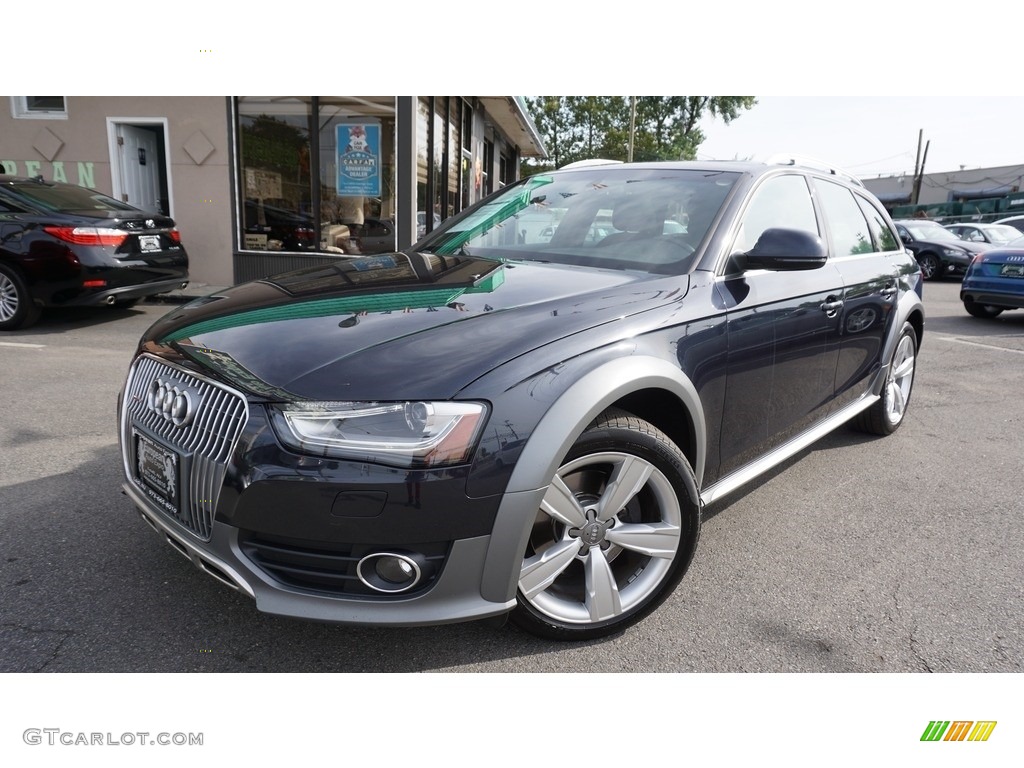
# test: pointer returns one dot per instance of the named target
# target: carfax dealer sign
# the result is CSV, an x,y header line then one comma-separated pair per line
x,y
358,159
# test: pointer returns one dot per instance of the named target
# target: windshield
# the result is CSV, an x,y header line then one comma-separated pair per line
x,y
613,217
1002,233
929,230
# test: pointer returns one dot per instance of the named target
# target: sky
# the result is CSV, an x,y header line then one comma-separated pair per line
x,y
858,93
873,136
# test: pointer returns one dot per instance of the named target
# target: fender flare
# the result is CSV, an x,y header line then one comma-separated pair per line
x,y
559,428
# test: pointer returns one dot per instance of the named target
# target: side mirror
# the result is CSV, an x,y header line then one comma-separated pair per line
x,y
786,249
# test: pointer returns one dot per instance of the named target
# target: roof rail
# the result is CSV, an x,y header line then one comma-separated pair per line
x,y
590,162
811,162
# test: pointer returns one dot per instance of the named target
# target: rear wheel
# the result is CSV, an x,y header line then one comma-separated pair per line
x,y
984,311
614,535
16,307
886,416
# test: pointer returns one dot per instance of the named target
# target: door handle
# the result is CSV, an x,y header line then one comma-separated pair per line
x,y
831,306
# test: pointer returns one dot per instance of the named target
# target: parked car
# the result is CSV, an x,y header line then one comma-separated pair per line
x,y
63,245
482,426
271,227
421,223
1017,222
376,236
937,250
988,234
995,281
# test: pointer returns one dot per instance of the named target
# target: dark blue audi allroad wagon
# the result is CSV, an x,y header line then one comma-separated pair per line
x,y
526,412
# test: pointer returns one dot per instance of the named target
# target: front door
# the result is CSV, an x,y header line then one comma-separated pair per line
x,y
783,332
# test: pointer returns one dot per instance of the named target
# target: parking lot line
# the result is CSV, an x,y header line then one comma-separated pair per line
x,y
958,340
21,344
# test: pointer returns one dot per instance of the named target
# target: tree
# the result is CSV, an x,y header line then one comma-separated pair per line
x,y
665,128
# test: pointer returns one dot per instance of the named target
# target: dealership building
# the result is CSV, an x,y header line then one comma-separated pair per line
x,y
982,194
263,184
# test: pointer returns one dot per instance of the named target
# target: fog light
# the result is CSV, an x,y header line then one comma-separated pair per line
x,y
394,570
389,572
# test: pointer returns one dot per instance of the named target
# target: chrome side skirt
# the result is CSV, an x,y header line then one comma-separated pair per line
x,y
755,469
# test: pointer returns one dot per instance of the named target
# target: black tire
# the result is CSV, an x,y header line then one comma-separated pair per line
x,y
17,309
984,311
886,416
931,266
633,556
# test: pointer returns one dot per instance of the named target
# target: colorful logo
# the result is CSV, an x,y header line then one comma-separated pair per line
x,y
958,730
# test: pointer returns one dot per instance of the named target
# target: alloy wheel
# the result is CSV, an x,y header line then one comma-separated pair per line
x,y
900,380
604,540
8,298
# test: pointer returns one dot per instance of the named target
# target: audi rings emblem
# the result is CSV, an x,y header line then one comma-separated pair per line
x,y
171,401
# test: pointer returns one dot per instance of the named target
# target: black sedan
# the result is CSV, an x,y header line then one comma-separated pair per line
x,y
499,422
937,250
63,245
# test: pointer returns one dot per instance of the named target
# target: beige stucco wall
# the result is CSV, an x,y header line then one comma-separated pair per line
x,y
199,192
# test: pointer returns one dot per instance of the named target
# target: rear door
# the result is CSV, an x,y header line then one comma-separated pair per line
x,y
866,252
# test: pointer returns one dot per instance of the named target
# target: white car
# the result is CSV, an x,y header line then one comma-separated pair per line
x,y
1013,221
992,234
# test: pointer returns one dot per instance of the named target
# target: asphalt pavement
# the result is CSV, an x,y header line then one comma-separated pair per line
x,y
861,554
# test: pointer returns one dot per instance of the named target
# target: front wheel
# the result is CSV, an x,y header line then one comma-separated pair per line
x,y
984,311
931,267
614,534
886,416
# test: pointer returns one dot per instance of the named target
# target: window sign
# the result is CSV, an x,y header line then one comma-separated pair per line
x,y
359,159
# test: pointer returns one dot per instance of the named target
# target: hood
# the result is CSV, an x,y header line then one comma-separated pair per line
x,y
398,326
970,246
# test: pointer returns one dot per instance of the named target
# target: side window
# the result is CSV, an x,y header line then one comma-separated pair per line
x,y
784,201
881,232
846,222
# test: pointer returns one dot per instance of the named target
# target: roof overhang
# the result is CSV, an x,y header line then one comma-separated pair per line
x,y
510,116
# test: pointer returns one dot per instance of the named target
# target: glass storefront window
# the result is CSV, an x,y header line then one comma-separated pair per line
x,y
444,161
344,202
274,143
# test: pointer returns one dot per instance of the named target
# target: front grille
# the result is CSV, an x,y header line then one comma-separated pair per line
x,y
314,568
204,443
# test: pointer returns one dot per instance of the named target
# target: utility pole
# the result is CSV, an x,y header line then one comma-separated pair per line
x,y
632,126
919,168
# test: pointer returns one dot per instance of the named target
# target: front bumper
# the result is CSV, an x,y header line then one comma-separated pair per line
x,y
451,599
296,532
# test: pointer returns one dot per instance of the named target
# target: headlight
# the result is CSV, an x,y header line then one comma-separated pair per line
x,y
954,252
406,434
